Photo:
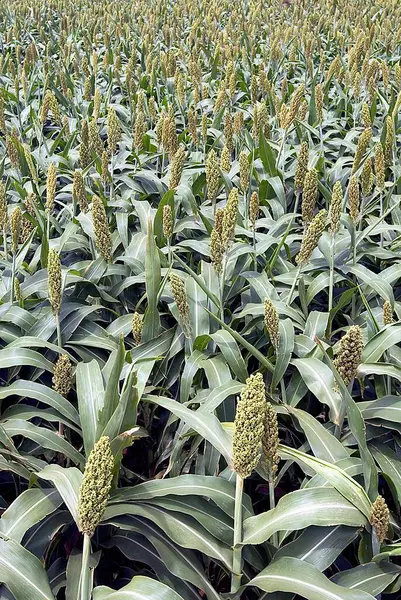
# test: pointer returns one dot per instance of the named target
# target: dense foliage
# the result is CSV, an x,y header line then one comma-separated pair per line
x,y
199,326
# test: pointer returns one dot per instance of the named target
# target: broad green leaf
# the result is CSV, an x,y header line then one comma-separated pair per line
x,y
22,572
284,350
319,546
207,425
42,393
182,529
68,482
139,588
339,479
299,577
300,509
16,357
46,438
151,323
90,392
372,577
320,380
324,445
231,352
382,341
28,508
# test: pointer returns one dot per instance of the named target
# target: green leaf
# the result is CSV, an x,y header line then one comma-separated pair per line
x,y
302,508
139,588
207,425
372,577
42,393
182,529
284,351
90,392
22,572
28,508
151,323
339,479
68,482
299,577
46,438
320,380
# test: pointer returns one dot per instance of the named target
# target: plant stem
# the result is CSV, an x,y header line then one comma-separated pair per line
x,y
236,572
255,260
84,591
272,501
12,279
294,283
331,284
222,279
59,338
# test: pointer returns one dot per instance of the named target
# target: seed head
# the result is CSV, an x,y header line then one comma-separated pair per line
x,y
15,226
95,141
137,326
193,125
212,175
105,167
12,150
353,197
3,128
96,104
272,322
367,178
113,130
101,227
380,518
309,196
270,441
84,147
295,104
51,183
229,219
27,226
319,102
379,166
54,281
225,160
349,355
362,146
254,208
177,167
139,129
249,426
216,243
229,131
95,488
62,377
181,300
335,207
302,166
79,192
168,222
29,162
389,142
17,291
387,313
3,208
311,237
366,118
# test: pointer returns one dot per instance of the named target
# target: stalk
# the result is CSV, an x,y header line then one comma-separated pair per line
x,y
331,284
58,326
84,591
222,280
294,283
237,551
12,279
272,501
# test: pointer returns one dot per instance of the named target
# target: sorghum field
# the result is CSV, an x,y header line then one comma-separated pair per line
x,y
200,282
